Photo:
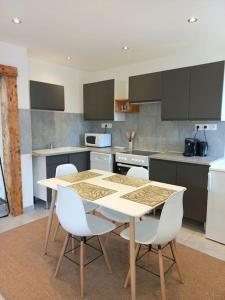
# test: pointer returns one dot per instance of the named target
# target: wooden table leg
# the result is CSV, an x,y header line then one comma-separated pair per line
x,y
132,259
51,212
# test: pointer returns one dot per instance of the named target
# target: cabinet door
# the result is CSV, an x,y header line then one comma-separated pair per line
x,y
99,100
51,164
195,179
46,96
81,160
175,94
163,171
145,87
206,88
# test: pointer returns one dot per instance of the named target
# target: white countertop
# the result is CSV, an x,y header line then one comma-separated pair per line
x,y
174,156
66,150
58,151
170,156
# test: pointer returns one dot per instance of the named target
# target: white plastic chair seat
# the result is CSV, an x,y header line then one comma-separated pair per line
x,y
145,231
99,226
88,206
114,215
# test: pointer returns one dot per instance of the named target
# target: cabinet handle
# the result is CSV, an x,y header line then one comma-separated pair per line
x,y
209,182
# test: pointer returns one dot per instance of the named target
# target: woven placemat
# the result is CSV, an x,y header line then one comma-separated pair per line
x,y
90,191
149,195
127,180
79,176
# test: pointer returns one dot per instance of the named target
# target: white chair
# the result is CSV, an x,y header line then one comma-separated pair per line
x,y
74,220
138,172
63,170
161,233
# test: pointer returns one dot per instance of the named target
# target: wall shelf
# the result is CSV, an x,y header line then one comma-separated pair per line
x,y
123,106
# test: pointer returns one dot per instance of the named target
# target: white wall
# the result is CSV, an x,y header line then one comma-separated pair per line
x,y
194,56
68,77
15,56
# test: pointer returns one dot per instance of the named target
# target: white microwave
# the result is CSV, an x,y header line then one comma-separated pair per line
x,y
98,139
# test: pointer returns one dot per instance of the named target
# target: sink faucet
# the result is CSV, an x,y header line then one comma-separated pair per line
x,y
50,145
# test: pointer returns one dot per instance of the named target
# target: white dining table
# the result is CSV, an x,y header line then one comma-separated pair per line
x,y
114,201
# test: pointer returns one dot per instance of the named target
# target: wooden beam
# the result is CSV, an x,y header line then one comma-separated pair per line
x,y
8,71
11,139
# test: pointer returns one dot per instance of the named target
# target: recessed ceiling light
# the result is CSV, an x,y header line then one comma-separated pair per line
x,y
125,48
16,20
69,58
192,20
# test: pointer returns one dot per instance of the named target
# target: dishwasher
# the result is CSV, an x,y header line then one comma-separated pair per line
x,y
101,161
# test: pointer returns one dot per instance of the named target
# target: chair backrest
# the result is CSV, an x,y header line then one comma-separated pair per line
x,y
138,172
171,219
65,169
70,212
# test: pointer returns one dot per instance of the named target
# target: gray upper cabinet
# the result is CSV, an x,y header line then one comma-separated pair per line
x,y
46,96
206,91
145,88
175,94
193,93
99,100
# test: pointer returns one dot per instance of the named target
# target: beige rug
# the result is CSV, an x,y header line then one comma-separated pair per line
x,y
25,274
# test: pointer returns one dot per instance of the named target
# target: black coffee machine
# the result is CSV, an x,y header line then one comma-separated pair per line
x,y
202,148
190,146
195,147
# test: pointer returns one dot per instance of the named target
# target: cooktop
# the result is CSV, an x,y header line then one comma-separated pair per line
x,y
140,152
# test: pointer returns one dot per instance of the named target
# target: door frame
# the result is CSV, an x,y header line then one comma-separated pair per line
x,y
11,138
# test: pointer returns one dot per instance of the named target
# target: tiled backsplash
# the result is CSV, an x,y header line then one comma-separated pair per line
x,y
57,128
67,129
154,134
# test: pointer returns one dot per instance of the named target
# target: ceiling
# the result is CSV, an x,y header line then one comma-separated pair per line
x,y
93,32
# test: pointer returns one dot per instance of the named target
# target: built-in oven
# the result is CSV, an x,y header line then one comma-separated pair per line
x,y
122,168
126,160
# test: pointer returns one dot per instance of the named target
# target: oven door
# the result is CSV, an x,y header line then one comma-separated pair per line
x,y
124,168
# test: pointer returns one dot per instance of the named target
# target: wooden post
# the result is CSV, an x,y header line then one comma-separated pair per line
x,y
11,138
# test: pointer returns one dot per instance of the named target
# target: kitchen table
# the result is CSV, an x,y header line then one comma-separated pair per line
x,y
131,196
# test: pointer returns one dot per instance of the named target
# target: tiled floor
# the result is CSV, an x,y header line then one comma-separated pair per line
x,y
190,235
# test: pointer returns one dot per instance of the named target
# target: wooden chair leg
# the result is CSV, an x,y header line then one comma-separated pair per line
x,y
82,269
175,256
105,255
61,254
161,271
56,230
72,244
127,280
107,239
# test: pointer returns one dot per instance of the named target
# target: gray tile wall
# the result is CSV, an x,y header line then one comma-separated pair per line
x,y
59,128
67,129
154,134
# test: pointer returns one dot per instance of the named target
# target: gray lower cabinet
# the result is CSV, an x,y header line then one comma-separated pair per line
x,y
45,167
81,160
163,171
146,87
193,177
175,94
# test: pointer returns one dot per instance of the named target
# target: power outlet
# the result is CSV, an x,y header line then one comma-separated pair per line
x,y
106,125
205,127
